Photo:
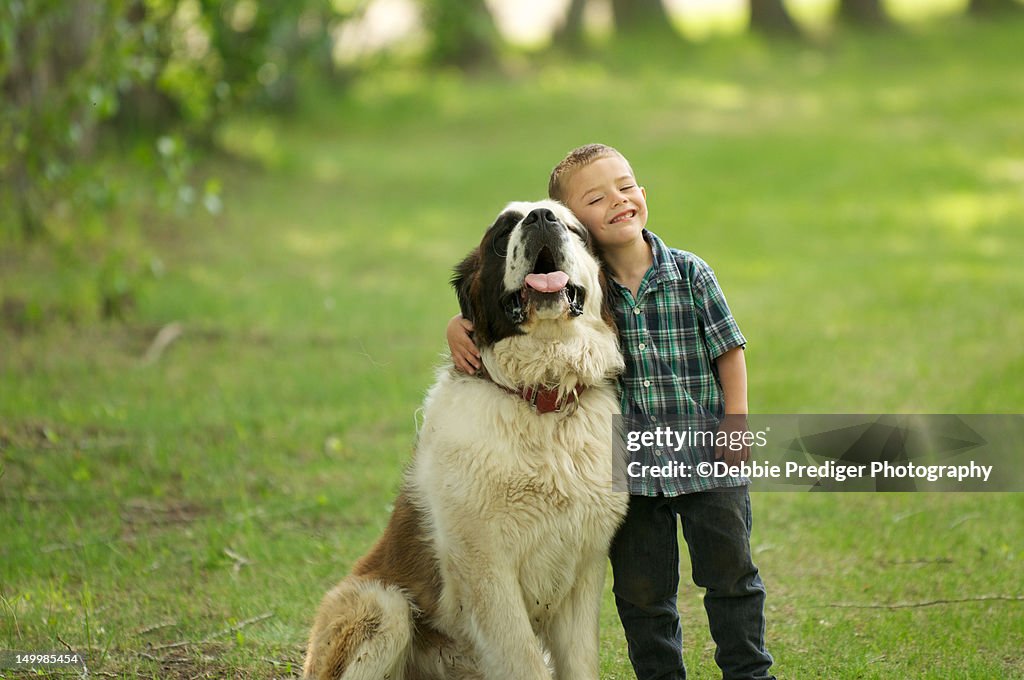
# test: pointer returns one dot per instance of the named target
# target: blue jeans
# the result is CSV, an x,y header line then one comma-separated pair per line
x,y
645,564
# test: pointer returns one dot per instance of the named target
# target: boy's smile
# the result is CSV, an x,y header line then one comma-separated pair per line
x,y
624,215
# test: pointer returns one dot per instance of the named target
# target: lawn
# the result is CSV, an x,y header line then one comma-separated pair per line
x,y
861,204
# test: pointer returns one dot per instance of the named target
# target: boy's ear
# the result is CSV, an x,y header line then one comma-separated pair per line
x,y
463,281
643,192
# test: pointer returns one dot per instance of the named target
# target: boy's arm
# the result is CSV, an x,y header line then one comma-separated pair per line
x,y
732,372
465,354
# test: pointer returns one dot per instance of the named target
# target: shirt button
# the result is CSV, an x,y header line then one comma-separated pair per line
x,y
642,346
636,310
647,383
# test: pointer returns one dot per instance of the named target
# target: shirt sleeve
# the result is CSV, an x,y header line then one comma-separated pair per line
x,y
721,332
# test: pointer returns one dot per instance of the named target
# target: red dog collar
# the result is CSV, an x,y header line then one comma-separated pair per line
x,y
544,400
547,401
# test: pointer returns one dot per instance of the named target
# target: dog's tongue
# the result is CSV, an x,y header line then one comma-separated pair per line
x,y
547,283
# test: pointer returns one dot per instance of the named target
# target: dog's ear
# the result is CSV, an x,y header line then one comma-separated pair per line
x,y
607,298
463,279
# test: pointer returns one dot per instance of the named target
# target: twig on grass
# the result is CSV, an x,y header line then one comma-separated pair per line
x,y
288,663
156,626
210,638
66,645
161,342
927,603
109,542
263,513
85,669
917,561
238,560
36,499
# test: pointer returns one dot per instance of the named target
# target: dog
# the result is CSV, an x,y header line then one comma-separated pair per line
x,y
492,564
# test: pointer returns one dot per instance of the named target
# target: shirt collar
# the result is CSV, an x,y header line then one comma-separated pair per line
x,y
665,268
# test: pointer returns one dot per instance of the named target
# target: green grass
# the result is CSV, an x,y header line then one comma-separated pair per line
x,y
861,205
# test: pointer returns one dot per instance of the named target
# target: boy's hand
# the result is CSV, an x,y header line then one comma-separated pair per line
x,y
734,454
460,343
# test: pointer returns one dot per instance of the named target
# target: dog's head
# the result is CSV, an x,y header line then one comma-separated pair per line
x,y
533,278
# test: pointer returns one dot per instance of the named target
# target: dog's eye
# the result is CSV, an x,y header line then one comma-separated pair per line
x,y
502,231
581,232
500,243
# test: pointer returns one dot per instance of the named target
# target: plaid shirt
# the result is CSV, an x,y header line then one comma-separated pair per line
x,y
671,334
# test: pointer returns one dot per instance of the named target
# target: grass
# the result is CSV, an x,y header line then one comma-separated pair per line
x,y
860,204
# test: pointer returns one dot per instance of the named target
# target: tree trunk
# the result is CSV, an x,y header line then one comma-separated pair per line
x,y
772,17
634,16
462,33
570,32
867,13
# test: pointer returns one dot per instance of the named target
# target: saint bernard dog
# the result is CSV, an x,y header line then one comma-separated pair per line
x,y
493,562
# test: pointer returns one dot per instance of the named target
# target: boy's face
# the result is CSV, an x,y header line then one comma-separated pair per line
x,y
605,197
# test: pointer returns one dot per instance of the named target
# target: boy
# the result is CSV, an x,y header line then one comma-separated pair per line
x,y
684,355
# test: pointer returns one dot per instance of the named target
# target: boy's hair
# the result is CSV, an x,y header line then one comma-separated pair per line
x,y
573,161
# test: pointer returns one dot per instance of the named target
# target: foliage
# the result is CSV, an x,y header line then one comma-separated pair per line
x,y
216,56
61,65
161,73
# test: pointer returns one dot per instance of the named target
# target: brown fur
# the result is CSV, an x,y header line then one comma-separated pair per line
x,y
402,558
346,619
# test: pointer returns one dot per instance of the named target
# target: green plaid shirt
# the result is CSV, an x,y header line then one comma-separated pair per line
x,y
671,335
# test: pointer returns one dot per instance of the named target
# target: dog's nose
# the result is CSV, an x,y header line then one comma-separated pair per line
x,y
540,217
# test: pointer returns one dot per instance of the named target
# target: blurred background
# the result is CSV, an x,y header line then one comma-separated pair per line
x,y
227,229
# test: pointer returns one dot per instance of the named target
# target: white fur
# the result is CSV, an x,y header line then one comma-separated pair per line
x,y
522,513
577,268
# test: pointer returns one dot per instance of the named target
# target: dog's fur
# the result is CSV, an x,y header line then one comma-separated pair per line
x,y
492,565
